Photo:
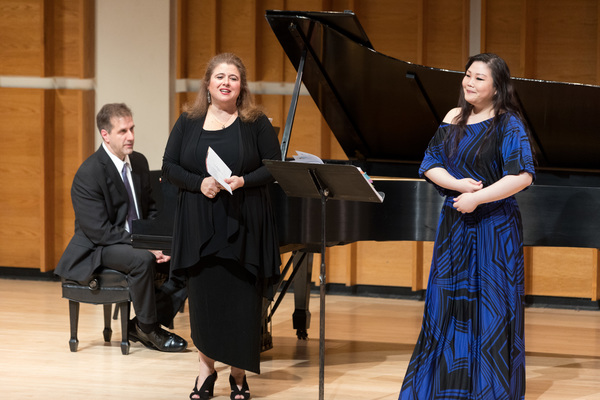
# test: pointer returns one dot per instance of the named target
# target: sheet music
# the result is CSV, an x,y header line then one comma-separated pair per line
x,y
217,168
380,195
308,158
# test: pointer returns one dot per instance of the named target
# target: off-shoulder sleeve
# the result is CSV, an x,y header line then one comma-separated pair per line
x,y
516,150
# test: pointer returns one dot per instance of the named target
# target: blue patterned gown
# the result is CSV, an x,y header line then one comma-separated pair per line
x,y
471,344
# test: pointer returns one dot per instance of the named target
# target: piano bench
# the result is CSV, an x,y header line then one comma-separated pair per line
x,y
106,287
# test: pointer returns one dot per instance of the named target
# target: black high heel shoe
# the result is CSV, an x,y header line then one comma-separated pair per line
x,y
206,391
237,392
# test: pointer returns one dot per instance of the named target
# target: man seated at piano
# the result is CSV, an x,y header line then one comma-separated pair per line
x,y
224,242
471,343
110,189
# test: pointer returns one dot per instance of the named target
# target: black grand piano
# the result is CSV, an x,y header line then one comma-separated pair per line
x,y
383,112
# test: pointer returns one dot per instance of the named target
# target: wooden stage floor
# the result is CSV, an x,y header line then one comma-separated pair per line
x,y
369,342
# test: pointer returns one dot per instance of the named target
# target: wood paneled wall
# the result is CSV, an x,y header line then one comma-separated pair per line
x,y
47,38
46,133
542,39
24,29
552,40
558,41
545,39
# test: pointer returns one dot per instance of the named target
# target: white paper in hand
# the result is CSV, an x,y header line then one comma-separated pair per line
x,y
217,168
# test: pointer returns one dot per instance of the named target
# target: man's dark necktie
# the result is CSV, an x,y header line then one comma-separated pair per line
x,y
131,214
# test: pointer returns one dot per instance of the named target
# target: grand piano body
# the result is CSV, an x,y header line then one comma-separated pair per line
x,y
383,112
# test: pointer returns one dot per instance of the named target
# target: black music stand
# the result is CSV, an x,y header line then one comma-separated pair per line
x,y
323,181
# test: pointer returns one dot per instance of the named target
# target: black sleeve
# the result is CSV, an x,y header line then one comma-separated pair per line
x,y
90,198
172,171
268,148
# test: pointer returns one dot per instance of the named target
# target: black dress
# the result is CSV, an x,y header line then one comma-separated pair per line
x,y
227,246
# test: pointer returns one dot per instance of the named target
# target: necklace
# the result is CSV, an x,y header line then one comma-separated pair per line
x,y
223,124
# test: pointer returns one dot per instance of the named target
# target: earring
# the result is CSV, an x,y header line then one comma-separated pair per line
x,y
208,97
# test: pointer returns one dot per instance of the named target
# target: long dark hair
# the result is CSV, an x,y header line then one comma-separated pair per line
x,y
247,108
504,102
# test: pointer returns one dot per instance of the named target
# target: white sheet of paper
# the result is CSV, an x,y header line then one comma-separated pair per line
x,y
304,157
217,168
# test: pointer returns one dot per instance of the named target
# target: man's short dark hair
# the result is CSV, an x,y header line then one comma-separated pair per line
x,y
108,111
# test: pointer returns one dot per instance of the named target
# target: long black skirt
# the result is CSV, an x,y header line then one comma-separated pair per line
x,y
225,312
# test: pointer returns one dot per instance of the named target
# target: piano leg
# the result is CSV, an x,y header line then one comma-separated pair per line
x,y
301,316
301,269
266,328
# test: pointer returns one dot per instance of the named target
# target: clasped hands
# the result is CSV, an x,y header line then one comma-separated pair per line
x,y
210,187
467,201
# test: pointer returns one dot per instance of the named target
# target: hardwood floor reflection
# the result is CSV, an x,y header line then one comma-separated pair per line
x,y
369,343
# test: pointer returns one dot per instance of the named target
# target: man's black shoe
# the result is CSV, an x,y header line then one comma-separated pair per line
x,y
158,339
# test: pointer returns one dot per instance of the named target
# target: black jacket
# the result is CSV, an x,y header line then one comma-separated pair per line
x,y
100,203
250,226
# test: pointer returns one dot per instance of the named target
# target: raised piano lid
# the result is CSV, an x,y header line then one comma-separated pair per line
x,y
384,109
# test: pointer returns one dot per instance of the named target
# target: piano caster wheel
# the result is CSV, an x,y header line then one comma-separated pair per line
x,y
302,334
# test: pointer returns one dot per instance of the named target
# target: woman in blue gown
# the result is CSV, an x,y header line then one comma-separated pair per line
x,y
471,344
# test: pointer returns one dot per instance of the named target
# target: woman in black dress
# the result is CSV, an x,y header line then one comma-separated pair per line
x,y
225,244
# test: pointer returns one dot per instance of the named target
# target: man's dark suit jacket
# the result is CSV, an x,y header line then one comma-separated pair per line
x,y
100,203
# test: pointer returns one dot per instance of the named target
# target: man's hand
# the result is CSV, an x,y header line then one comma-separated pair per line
x,y
160,257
